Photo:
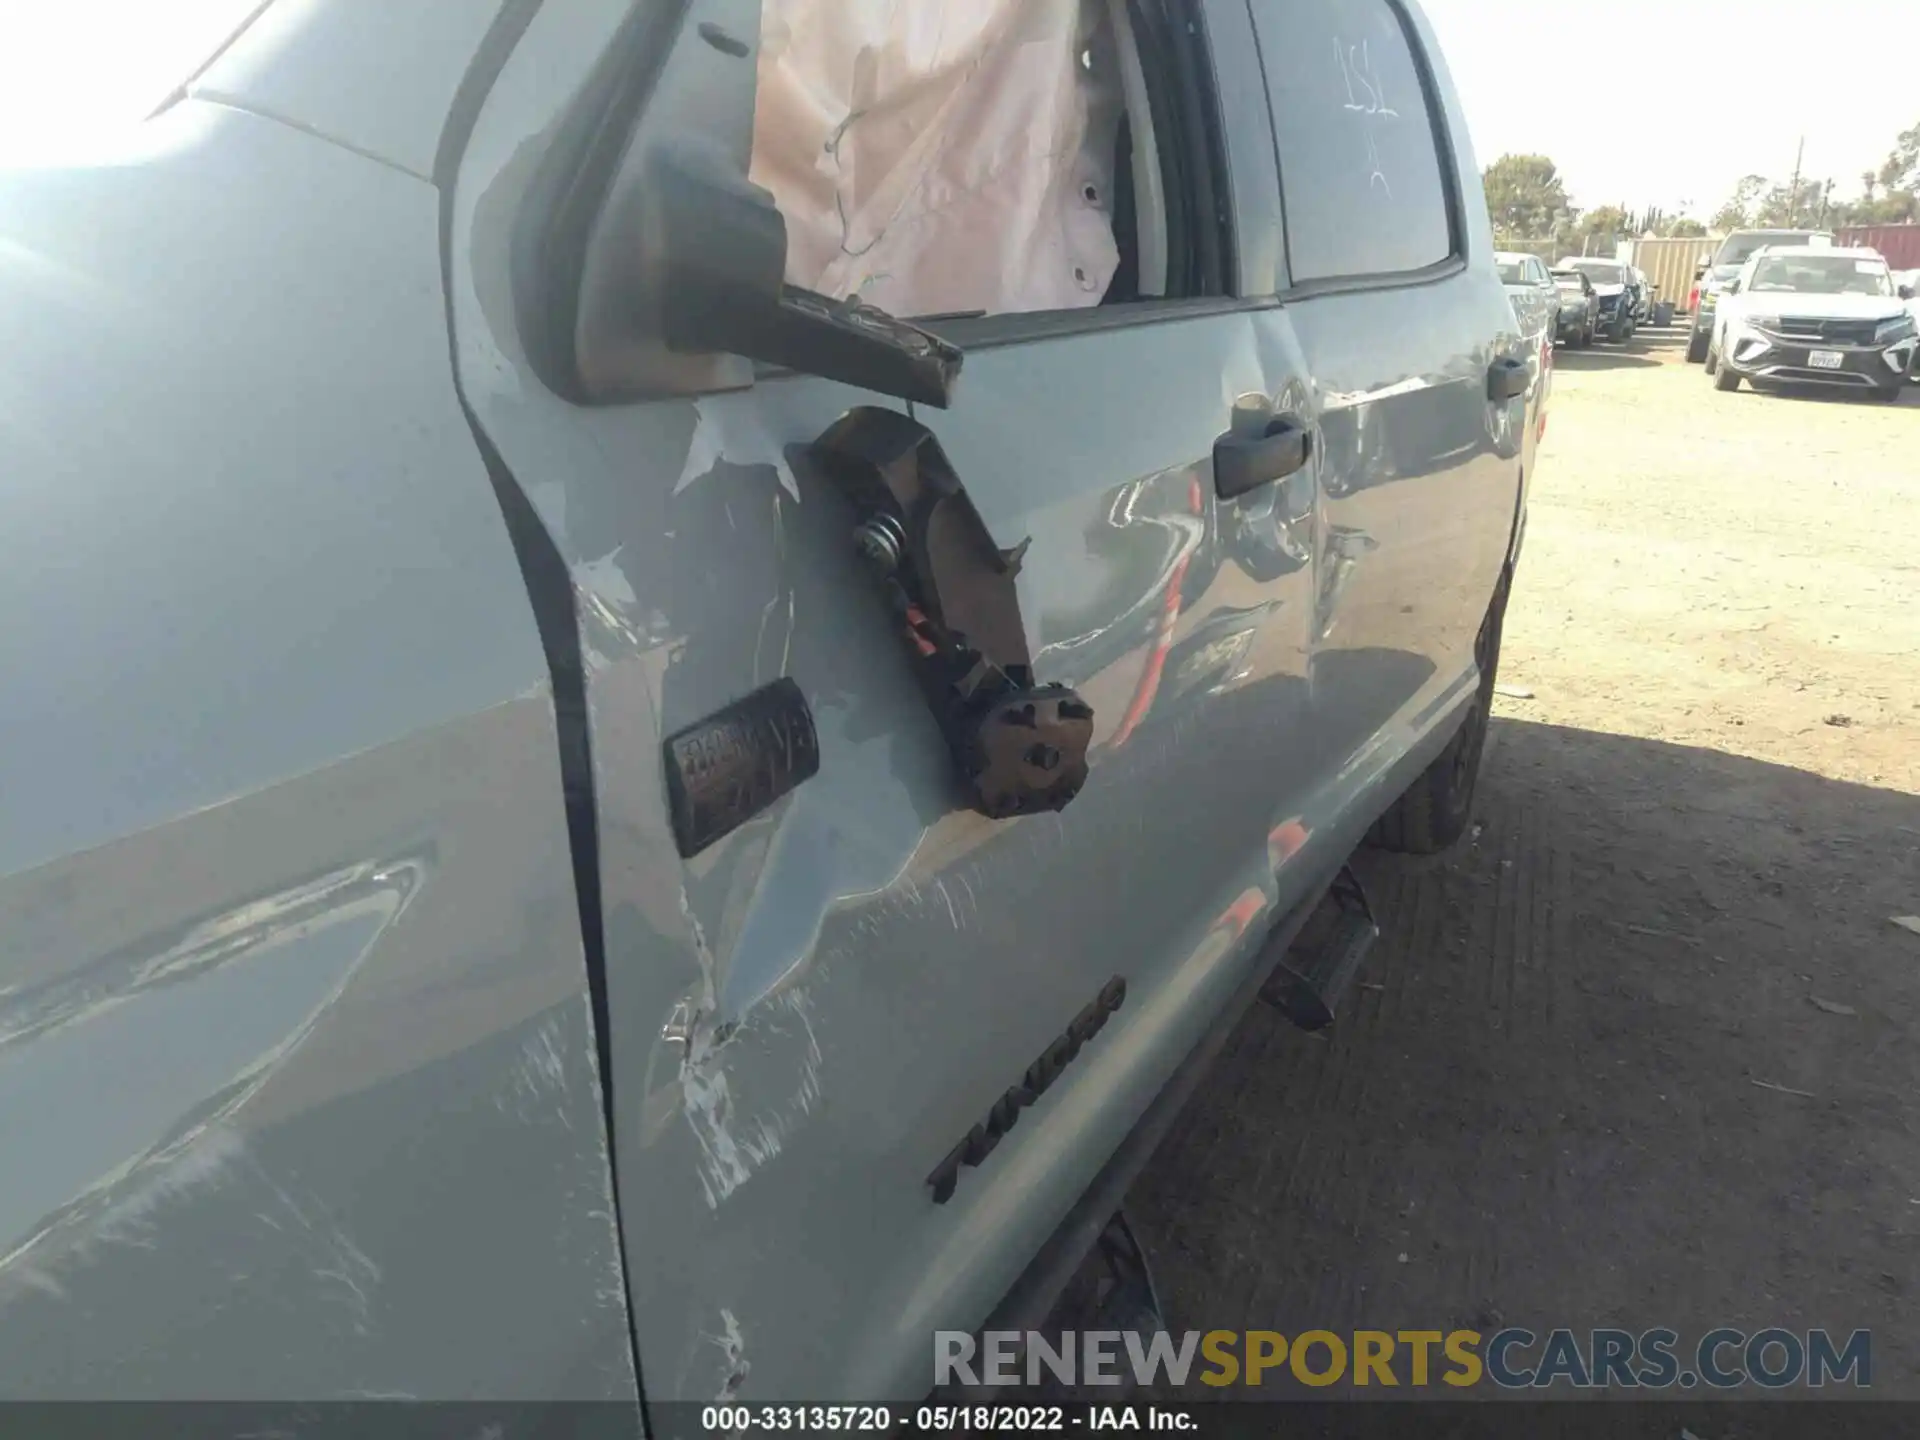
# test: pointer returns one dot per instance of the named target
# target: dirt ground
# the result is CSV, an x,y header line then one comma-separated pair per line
x,y
1642,1052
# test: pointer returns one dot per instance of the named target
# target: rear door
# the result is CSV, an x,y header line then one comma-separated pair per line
x,y
807,1017
1401,313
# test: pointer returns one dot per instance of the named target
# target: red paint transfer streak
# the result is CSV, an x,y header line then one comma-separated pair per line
x,y
918,625
1284,842
1242,912
1149,685
1156,662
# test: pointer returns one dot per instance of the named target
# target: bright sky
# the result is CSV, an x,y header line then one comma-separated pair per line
x,y
71,70
1544,77
1846,73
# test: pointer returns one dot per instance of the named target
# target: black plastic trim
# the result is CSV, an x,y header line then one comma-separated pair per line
x,y
551,597
985,332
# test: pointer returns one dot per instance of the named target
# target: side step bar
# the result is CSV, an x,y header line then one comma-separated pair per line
x,y
1314,974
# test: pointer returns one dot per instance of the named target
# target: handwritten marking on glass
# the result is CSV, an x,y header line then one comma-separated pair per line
x,y
1356,67
1365,96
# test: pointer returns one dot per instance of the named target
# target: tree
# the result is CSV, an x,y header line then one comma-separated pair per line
x,y
1896,207
1902,170
1684,228
1785,205
1737,213
1525,195
1605,221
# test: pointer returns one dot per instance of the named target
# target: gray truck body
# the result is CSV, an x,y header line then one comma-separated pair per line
x,y
362,1031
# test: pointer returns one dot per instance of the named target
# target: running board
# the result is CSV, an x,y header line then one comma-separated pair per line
x,y
1317,968
1127,1299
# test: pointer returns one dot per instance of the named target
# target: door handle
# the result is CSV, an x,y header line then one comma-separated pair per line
x,y
1506,380
1246,462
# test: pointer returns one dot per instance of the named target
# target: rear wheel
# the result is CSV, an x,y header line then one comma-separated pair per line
x,y
1434,811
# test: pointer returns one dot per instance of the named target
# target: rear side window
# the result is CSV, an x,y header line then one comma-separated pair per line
x,y
1360,168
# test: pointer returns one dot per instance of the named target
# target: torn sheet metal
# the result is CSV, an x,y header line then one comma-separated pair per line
x,y
944,156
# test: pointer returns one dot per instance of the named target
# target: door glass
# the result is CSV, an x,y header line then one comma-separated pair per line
x,y
1359,169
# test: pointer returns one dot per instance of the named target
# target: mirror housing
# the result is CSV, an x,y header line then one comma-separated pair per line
x,y
722,253
1906,292
666,266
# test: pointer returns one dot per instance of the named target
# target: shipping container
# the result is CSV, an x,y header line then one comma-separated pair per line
x,y
1670,263
1899,243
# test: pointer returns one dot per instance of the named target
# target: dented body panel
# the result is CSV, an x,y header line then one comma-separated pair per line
x,y
297,1084
807,1016
357,650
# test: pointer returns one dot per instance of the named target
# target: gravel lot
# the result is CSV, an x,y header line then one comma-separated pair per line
x,y
1552,1102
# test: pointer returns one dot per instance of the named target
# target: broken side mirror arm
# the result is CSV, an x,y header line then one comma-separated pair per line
x,y
723,252
687,267
1019,747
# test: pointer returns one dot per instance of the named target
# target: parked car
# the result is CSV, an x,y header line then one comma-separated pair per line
x,y
1827,316
1643,290
1906,284
1711,278
1536,308
1579,318
1536,299
542,845
1613,285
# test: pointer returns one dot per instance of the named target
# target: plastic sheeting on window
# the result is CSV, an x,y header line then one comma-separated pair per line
x,y
941,156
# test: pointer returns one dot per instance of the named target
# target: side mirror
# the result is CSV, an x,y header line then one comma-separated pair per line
x,y
1733,286
1906,292
664,267
1699,271
722,252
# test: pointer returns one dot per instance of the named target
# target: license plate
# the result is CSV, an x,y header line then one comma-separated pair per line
x,y
1825,360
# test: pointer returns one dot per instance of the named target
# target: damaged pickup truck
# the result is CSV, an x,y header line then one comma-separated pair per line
x,y
671,665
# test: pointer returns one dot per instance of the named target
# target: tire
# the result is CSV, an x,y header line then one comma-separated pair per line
x,y
1713,361
1433,812
1696,347
1725,378
1621,330
1890,395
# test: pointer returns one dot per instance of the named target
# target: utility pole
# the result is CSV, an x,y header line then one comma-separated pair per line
x,y
1793,189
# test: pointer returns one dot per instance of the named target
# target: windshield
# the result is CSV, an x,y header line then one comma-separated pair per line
x,y
1601,272
1738,249
1821,275
73,73
1513,272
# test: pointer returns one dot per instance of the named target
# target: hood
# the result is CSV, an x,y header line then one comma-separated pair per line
x,y
1794,305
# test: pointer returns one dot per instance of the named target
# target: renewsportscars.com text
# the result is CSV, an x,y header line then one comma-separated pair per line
x,y
1510,1359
